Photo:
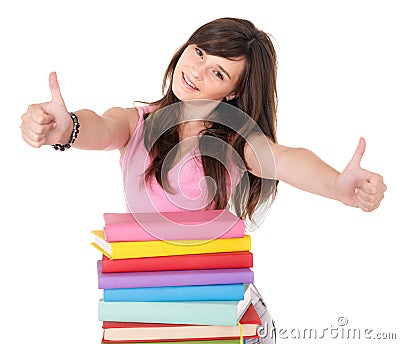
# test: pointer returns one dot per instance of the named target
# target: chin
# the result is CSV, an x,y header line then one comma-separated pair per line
x,y
182,96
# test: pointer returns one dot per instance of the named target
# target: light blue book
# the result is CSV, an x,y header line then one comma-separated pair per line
x,y
222,313
212,292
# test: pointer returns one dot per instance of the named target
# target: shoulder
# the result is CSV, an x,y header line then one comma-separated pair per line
x,y
127,120
121,124
261,155
119,112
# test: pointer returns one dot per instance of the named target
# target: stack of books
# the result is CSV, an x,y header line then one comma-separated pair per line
x,y
180,277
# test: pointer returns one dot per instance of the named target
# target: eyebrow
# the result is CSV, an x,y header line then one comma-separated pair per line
x,y
224,71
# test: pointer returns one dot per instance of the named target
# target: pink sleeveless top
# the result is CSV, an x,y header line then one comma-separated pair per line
x,y
186,179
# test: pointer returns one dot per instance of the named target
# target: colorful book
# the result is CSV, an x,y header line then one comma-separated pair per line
x,y
179,225
137,249
136,332
143,279
219,260
222,313
213,292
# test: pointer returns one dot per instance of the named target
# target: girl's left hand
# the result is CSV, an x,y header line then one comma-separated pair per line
x,y
358,187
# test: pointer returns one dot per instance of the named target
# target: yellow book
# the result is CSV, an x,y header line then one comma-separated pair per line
x,y
139,249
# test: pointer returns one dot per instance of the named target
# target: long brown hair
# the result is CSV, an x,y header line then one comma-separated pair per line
x,y
230,38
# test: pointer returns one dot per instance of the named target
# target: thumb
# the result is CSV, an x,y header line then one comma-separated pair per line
x,y
56,96
358,154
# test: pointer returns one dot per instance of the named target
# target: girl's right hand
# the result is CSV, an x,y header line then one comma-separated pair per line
x,y
47,123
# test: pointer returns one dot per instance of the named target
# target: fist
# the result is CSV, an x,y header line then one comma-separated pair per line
x,y
47,123
358,187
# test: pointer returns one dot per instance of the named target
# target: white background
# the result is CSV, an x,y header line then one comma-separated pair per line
x,y
315,259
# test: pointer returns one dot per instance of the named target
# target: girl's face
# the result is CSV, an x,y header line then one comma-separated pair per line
x,y
198,75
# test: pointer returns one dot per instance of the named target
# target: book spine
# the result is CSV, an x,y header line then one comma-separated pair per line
x,y
218,292
222,260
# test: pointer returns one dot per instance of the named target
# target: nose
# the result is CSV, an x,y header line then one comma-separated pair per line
x,y
197,72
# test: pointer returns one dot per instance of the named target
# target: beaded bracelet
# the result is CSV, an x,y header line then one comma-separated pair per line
x,y
74,134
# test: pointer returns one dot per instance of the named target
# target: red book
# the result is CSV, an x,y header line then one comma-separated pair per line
x,y
178,225
148,332
219,260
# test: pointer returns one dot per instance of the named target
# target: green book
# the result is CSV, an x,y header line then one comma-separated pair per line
x,y
223,313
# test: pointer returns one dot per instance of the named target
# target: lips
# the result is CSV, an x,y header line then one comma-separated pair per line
x,y
188,83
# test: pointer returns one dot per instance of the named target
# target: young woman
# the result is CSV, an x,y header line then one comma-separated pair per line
x,y
230,64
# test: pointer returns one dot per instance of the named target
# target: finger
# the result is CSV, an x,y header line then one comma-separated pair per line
x,y
368,187
373,184
358,154
34,143
369,198
56,96
37,114
42,119
36,132
41,129
369,206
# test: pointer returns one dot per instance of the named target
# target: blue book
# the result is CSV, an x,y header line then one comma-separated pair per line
x,y
212,292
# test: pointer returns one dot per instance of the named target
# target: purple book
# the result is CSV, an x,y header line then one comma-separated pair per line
x,y
142,279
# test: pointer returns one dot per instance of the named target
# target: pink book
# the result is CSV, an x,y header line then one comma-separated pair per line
x,y
180,225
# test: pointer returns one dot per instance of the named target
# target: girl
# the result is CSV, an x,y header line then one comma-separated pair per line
x,y
231,65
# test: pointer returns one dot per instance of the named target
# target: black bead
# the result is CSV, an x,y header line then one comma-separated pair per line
x,y
73,136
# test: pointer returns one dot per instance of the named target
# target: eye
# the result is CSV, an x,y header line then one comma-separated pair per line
x,y
199,52
219,75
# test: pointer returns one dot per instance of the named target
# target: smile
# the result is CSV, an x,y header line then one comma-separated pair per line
x,y
188,83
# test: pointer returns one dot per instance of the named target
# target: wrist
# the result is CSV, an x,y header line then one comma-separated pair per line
x,y
70,134
342,191
66,133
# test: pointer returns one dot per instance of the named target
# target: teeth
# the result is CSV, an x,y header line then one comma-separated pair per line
x,y
188,81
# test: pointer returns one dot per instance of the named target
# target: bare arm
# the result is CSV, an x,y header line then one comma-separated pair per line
x,y
112,130
50,123
304,170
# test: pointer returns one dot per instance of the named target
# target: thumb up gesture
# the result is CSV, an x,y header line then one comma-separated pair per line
x,y
47,123
358,187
